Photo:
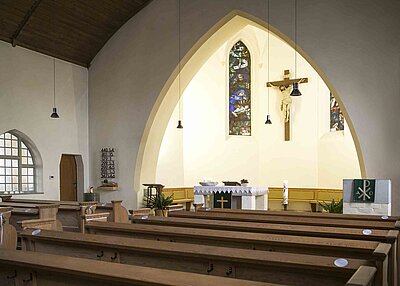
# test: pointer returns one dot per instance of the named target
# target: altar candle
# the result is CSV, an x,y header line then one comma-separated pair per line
x,y
285,200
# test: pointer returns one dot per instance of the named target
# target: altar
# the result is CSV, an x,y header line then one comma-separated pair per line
x,y
235,197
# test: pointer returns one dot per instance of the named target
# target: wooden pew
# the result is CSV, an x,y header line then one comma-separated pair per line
x,y
20,268
128,250
118,213
8,233
220,261
385,236
44,223
304,214
291,220
21,211
199,236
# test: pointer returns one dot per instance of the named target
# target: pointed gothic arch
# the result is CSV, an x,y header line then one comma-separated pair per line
x,y
191,62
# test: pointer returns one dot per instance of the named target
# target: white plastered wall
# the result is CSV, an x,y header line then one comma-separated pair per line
x,y
26,101
355,44
314,157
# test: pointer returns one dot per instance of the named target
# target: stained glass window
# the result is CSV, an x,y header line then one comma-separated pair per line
x,y
239,90
17,167
337,118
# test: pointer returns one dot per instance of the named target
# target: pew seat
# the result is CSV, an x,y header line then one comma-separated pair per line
x,y
24,268
221,261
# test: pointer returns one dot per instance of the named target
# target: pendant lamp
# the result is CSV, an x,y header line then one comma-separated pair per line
x,y
54,114
268,121
295,91
180,126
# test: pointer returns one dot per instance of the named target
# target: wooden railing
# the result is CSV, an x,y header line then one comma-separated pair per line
x,y
306,195
181,195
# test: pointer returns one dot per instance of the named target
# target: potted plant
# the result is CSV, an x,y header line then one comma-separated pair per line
x,y
333,206
159,203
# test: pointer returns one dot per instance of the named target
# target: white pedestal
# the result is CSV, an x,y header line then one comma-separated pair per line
x,y
252,198
382,204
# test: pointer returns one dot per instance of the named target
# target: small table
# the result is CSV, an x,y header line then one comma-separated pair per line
x,y
247,198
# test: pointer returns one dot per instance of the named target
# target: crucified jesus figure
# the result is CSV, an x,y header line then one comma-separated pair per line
x,y
286,102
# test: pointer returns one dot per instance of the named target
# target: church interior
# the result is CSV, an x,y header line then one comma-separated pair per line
x,y
199,142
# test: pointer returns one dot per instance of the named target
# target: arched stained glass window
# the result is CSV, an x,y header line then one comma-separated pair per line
x,y
17,166
337,117
239,90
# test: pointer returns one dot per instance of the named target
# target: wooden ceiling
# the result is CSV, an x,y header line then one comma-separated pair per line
x,y
72,30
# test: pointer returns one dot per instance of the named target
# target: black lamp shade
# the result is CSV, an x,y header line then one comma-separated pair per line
x,y
268,120
54,114
179,125
295,91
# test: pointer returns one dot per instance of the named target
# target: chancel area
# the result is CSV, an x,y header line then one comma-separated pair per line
x,y
186,142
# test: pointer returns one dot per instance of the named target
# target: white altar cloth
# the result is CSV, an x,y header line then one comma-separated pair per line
x,y
251,197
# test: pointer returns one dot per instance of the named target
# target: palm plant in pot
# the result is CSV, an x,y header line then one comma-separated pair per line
x,y
159,203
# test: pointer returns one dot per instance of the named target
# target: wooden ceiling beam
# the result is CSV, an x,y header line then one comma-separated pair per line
x,y
25,20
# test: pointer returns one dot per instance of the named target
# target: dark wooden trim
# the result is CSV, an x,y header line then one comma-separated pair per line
x,y
25,20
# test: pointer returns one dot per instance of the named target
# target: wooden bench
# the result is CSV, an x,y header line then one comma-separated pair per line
x,y
8,233
134,251
386,236
220,261
22,211
291,220
309,197
181,196
323,215
23,268
118,213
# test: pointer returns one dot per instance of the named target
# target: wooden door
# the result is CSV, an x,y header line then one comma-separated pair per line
x,y
68,178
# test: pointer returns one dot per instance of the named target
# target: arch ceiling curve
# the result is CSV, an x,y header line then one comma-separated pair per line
x,y
169,96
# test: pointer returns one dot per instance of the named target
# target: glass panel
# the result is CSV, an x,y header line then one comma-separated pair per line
x,y
13,137
30,179
8,171
7,135
239,90
31,187
15,179
30,171
1,143
2,179
8,162
2,162
8,151
15,152
2,136
15,144
24,187
24,161
24,171
24,152
24,179
337,117
15,163
8,143
8,179
2,188
15,188
8,188
30,161
23,146
1,151
2,171
15,171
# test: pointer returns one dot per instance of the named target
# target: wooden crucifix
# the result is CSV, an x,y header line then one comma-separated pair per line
x,y
283,86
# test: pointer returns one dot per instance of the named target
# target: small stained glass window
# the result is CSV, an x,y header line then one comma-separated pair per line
x,y
17,167
239,90
337,118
